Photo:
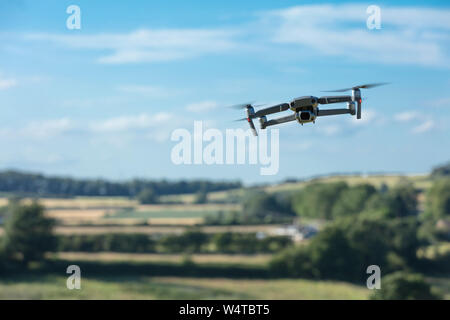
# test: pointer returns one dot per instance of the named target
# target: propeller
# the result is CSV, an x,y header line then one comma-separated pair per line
x,y
364,86
357,96
245,105
250,114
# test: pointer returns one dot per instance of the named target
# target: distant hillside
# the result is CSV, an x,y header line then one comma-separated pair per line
x,y
31,183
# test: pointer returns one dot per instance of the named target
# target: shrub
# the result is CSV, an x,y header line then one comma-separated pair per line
x,y
404,286
147,196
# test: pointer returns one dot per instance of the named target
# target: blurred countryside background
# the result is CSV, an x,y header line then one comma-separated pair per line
x,y
310,239
86,177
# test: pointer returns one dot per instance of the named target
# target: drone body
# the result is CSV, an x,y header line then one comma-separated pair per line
x,y
306,109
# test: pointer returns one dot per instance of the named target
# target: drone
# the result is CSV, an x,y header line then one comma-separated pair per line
x,y
306,109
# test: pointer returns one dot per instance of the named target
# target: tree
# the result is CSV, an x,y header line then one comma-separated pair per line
x,y
403,199
404,286
317,200
332,256
400,201
201,197
438,198
147,196
352,200
28,233
260,207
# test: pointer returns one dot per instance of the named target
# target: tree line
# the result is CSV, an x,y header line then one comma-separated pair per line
x,y
38,184
186,243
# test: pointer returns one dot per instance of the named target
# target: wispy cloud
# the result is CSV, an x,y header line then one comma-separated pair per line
x,y
202,106
7,83
124,123
406,116
147,90
421,123
367,116
331,129
154,124
146,45
424,127
37,130
408,34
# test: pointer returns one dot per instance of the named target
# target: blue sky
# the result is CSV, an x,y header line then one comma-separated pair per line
x,y
102,101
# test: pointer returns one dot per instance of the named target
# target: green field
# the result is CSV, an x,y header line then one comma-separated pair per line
x,y
166,213
241,259
135,287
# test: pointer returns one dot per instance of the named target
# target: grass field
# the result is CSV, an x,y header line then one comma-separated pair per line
x,y
135,287
163,229
241,259
173,211
158,229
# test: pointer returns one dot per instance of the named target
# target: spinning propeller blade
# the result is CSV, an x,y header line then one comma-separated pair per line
x,y
250,115
364,86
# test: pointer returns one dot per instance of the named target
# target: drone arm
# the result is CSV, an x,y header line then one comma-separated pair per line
x,y
278,108
332,112
334,99
280,120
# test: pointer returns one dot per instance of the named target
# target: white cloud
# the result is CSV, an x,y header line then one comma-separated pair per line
x,y
7,83
147,45
123,123
202,106
424,127
367,116
45,129
148,90
408,34
406,116
330,130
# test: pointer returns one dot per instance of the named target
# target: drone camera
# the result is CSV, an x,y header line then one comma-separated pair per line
x,y
305,116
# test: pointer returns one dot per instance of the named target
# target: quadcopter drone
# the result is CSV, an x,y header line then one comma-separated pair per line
x,y
306,109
